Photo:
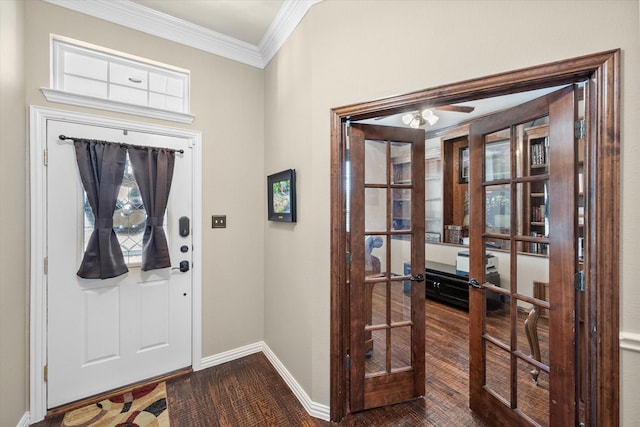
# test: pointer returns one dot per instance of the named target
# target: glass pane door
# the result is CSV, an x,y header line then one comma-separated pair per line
x,y
523,180
387,252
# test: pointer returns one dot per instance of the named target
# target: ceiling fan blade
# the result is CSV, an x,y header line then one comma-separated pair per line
x,y
456,108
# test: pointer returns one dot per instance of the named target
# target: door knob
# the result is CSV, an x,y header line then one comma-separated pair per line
x,y
474,284
184,266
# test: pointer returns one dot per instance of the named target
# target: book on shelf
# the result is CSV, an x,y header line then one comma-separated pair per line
x,y
538,213
538,248
540,152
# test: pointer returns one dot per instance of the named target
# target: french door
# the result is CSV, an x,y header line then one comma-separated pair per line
x,y
524,201
385,225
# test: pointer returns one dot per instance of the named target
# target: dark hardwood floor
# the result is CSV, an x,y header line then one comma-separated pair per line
x,y
250,392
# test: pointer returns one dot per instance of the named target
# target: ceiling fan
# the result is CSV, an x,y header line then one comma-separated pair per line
x,y
415,119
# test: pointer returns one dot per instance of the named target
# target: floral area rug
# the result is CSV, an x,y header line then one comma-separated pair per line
x,y
142,407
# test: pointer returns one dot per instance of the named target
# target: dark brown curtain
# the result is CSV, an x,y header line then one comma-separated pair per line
x,y
101,165
153,170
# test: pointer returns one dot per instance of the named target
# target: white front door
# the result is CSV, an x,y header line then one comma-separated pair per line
x,y
104,334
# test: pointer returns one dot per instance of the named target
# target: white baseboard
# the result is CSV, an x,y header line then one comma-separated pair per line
x,y
629,341
314,409
228,356
24,421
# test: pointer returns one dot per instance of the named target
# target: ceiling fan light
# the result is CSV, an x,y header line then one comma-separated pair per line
x,y
415,123
407,118
429,117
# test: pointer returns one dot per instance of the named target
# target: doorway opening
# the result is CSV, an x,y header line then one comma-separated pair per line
x,y
600,73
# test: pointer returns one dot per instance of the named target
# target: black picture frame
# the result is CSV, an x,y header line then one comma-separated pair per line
x,y
281,191
463,165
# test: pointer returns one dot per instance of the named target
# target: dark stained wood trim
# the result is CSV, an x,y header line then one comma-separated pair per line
x,y
339,292
603,252
602,255
562,259
536,77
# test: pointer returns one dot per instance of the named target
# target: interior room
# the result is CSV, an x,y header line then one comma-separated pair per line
x,y
447,219
254,110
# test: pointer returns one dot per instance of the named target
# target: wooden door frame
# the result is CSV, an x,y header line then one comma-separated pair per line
x,y
602,71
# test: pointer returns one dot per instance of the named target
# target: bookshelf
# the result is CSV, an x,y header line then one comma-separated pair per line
x,y
433,195
401,209
536,166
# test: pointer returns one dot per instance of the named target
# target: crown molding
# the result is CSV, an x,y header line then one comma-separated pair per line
x,y
288,18
141,18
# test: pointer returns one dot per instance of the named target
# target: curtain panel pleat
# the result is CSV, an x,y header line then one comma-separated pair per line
x,y
101,166
153,170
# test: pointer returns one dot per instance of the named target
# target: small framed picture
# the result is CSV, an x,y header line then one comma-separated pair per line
x,y
463,165
281,190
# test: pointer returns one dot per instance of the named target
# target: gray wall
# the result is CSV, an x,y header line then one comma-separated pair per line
x,y
13,216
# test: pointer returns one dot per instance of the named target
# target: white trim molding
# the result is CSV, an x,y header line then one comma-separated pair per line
x,y
24,421
314,409
629,341
141,18
63,97
228,356
39,116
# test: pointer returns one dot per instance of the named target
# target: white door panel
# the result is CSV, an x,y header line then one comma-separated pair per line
x,y
104,334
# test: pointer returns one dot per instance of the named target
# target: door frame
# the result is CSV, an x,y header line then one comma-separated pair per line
x,y
602,71
38,229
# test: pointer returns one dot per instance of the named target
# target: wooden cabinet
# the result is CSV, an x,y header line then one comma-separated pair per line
x,y
455,210
445,284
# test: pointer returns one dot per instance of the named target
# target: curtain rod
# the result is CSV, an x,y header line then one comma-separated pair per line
x,y
122,144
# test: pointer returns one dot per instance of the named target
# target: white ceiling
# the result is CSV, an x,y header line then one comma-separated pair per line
x,y
482,107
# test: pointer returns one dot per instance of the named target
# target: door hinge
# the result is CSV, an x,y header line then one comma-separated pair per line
x,y
45,265
46,373
579,281
45,157
347,258
347,362
348,135
580,128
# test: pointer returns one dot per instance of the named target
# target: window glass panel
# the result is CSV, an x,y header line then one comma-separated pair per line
x,y
497,156
129,218
375,162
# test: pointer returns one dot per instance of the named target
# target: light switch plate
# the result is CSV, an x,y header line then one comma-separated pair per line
x,y
218,221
